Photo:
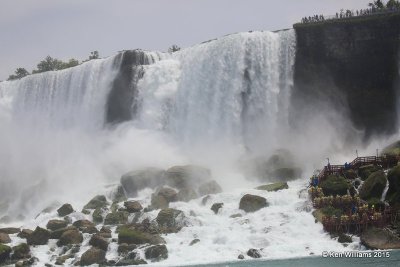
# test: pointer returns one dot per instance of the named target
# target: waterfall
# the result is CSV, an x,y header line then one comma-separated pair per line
x,y
235,88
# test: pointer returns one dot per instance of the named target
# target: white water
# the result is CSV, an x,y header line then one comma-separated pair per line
x,y
212,104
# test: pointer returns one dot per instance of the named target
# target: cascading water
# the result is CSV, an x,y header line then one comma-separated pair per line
x,y
209,104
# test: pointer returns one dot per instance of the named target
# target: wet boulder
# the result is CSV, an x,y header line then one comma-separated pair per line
x,y
334,185
118,194
65,210
85,226
70,237
373,186
134,181
5,252
39,236
99,201
186,194
10,230
156,253
5,238
118,217
99,242
168,193
252,203
170,220
273,187
133,206
21,251
375,238
58,233
158,202
98,215
56,224
25,233
185,176
216,207
254,253
124,248
93,256
130,235
210,187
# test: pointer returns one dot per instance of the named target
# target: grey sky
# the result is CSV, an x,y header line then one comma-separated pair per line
x,y
32,29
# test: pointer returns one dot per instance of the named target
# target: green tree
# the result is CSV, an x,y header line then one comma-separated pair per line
x,y
94,55
174,48
71,63
377,4
49,64
19,73
393,4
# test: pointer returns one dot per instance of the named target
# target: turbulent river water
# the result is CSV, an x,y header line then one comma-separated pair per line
x,y
213,104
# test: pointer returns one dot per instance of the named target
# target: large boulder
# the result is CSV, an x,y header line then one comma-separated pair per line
x,y
134,181
70,237
334,185
85,226
56,224
210,187
168,193
65,210
156,253
25,233
186,194
98,215
365,171
133,206
118,217
393,193
5,252
185,176
216,207
375,238
21,251
254,253
10,230
158,202
170,220
5,238
99,201
128,235
252,203
273,187
93,256
99,242
374,185
118,194
58,233
280,167
38,237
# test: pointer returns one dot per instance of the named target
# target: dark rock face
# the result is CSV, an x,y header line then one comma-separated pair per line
x,y
156,253
25,233
39,237
58,233
121,103
85,226
254,253
350,65
373,187
252,203
65,210
10,230
118,217
93,256
393,193
375,238
129,236
137,180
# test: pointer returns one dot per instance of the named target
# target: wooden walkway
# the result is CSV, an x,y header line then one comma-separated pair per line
x,y
384,161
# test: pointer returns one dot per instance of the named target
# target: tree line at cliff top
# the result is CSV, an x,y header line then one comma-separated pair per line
x,y
49,64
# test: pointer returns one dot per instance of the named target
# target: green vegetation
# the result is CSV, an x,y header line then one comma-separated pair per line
x,y
379,4
174,48
131,236
334,185
331,211
51,64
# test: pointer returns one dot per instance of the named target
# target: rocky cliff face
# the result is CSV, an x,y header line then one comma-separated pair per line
x,y
352,65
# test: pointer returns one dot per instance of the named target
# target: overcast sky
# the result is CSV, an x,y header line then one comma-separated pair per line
x,y
32,29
